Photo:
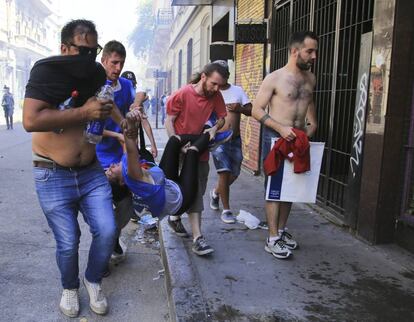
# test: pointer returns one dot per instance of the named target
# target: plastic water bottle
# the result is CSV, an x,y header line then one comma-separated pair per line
x,y
94,129
148,222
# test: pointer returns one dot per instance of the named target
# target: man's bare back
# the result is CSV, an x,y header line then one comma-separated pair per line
x,y
292,95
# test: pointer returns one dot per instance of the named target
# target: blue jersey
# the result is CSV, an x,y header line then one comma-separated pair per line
x,y
161,198
146,195
109,150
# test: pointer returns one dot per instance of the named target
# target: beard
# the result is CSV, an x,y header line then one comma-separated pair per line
x,y
206,92
302,64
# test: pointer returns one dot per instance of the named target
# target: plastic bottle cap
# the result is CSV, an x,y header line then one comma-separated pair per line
x,y
75,93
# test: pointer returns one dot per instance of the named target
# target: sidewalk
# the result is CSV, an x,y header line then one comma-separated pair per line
x,y
332,276
29,278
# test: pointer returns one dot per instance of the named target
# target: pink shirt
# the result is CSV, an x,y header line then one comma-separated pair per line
x,y
193,110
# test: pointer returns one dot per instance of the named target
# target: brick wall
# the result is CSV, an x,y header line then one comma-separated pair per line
x,y
249,75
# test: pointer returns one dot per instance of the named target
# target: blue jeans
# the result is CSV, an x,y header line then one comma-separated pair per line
x,y
267,135
64,192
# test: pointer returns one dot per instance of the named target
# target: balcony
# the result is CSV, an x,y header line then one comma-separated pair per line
x,y
31,46
164,18
40,7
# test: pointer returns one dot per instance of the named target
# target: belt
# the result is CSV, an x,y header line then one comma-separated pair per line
x,y
54,165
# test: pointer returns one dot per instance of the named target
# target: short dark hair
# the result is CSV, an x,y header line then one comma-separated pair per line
x,y
81,26
297,38
114,46
209,69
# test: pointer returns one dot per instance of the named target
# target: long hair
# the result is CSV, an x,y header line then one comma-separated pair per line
x,y
209,69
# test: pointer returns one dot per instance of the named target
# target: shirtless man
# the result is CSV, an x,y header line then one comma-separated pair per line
x,y
68,177
288,92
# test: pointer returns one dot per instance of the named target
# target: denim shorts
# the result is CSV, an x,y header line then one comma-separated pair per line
x,y
267,135
228,157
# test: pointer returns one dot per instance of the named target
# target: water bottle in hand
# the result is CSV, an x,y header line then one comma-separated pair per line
x,y
94,129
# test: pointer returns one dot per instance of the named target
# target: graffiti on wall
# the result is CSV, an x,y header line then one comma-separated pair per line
x,y
250,60
359,124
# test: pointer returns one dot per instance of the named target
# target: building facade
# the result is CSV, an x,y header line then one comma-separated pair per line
x,y
364,94
26,30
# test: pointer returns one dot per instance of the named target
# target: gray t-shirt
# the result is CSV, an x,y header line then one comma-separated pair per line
x,y
173,198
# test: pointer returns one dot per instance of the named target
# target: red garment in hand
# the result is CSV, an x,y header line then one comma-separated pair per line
x,y
299,147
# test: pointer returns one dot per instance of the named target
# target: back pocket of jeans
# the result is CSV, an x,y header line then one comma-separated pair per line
x,y
41,174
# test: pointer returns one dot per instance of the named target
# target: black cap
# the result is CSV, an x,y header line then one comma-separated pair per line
x,y
129,75
222,63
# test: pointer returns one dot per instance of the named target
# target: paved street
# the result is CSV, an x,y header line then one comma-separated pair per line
x,y
29,279
332,277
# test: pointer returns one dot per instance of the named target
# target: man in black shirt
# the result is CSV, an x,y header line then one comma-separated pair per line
x,y
59,101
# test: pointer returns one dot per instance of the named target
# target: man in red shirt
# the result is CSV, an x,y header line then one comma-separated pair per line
x,y
188,110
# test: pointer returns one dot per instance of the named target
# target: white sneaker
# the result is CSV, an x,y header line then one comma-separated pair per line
x,y
97,300
278,249
228,217
69,303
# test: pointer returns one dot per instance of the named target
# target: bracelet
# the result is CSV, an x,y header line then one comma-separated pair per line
x,y
264,118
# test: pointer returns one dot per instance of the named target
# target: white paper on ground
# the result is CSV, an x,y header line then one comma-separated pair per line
x,y
248,219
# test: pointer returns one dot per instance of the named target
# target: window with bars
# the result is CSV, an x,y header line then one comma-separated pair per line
x,y
180,68
339,25
189,59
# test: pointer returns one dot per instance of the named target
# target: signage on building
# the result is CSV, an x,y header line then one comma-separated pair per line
x,y
221,51
159,74
251,33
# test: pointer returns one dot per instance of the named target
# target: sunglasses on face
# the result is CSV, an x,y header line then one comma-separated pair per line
x,y
83,50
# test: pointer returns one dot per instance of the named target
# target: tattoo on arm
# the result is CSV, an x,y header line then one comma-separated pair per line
x,y
264,118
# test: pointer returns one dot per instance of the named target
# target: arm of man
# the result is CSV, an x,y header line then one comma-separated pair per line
x,y
263,97
169,124
116,115
134,168
311,119
140,97
220,123
148,130
242,109
311,122
116,135
40,116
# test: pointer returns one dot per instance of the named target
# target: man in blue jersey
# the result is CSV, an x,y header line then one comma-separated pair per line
x,y
109,150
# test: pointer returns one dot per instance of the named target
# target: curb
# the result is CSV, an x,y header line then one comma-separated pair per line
x,y
185,298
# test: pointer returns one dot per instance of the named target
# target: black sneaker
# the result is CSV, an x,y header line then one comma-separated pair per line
x,y
263,225
178,227
200,247
214,201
